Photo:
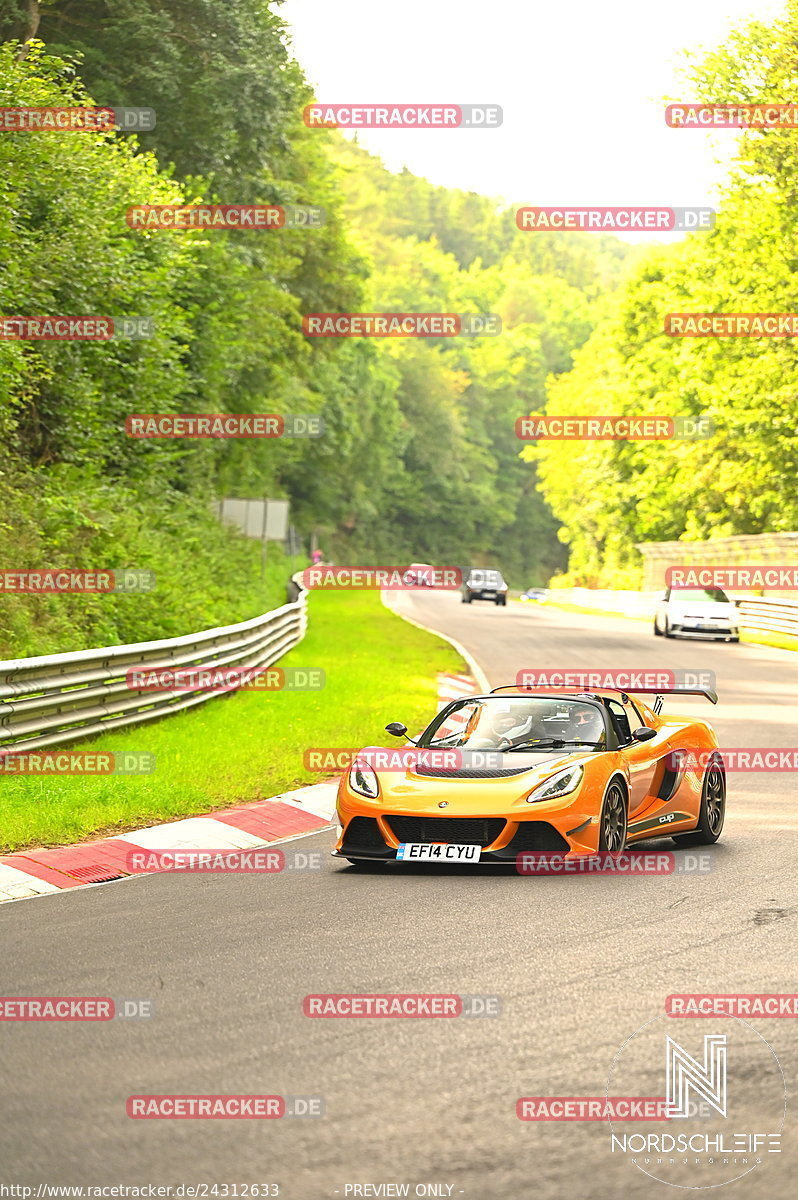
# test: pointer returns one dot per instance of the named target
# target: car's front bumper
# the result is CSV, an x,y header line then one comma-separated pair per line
x,y
370,831
368,841
704,630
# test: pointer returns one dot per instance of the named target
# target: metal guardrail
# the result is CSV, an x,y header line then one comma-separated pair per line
x,y
59,698
769,616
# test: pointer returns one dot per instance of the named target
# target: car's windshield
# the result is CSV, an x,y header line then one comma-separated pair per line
x,y
695,594
518,723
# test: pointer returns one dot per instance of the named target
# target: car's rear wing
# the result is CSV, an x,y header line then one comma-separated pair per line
x,y
658,692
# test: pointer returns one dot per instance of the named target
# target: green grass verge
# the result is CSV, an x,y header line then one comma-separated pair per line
x,y
759,637
250,745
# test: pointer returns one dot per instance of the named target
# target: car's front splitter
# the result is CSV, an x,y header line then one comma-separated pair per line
x,y
703,634
496,858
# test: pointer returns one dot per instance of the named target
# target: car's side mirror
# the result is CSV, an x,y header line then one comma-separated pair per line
x,y
396,728
643,734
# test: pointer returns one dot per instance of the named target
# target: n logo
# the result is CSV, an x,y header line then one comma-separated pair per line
x,y
685,1074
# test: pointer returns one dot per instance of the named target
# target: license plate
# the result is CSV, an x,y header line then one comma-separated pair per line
x,y
437,852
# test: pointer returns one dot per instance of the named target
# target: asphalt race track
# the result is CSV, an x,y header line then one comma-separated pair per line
x,y
579,964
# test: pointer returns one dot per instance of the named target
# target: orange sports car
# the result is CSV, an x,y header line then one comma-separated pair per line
x,y
515,770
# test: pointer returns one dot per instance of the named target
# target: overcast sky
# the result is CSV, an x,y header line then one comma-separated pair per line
x,y
581,84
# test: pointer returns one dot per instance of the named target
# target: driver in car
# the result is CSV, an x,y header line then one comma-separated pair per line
x,y
511,729
585,725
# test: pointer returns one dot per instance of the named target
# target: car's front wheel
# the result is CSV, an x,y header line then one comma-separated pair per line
x,y
657,630
712,811
613,820
667,630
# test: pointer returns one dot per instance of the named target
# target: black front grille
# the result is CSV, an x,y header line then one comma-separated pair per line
x,y
536,835
363,833
474,831
469,772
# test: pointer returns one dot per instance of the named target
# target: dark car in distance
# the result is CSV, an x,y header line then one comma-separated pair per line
x,y
481,583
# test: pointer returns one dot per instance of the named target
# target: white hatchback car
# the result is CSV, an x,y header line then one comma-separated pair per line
x,y
697,612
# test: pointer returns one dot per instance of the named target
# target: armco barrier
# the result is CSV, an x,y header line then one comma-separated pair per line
x,y
769,616
59,698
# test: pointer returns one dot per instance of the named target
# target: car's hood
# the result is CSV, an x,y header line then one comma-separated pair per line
x,y
702,608
493,765
412,772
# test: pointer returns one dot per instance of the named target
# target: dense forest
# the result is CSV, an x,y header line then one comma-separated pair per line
x,y
419,459
742,480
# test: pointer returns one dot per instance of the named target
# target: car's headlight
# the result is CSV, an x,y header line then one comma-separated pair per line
x,y
559,785
363,780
